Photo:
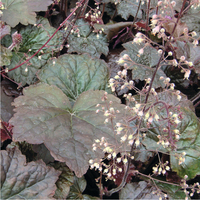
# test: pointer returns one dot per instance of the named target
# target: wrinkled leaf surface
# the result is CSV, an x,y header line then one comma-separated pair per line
x,y
44,115
88,42
74,74
146,61
140,190
22,11
32,39
189,140
128,7
19,179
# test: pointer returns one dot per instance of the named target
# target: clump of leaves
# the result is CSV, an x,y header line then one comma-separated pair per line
x,y
72,119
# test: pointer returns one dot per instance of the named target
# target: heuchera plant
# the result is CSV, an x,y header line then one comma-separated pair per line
x,y
71,119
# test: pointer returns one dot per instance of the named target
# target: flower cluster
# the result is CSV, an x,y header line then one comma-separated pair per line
x,y
193,188
120,80
111,155
161,168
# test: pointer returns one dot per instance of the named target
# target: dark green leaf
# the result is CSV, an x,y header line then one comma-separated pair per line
x,y
21,11
32,39
145,62
77,189
21,180
173,191
88,42
74,74
189,143
192,19
64,182
150,57
44,115
128,7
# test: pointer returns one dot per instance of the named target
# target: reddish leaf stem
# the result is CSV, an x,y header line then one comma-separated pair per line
x,y
48,39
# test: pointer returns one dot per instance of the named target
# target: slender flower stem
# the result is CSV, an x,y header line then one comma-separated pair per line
x,y
48,39
146,100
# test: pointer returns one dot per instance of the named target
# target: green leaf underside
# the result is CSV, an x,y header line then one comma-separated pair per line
x,y
44,115
74,74
19,179
189,140
33,38
146,61
21,11
88,41
128,7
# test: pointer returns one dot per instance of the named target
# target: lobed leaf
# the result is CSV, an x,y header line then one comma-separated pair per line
x,y
142,66
22,11
19,179
190,52
78,188
192,19
173,191
88,42
189,141
74,74
32,39
128,7
44,115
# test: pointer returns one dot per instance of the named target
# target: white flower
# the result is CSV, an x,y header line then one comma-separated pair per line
x,y
123,138
156,117
91,161
140,113
141,51
156,30
179,97
187,74
173,3
120,61
137,142
160,51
